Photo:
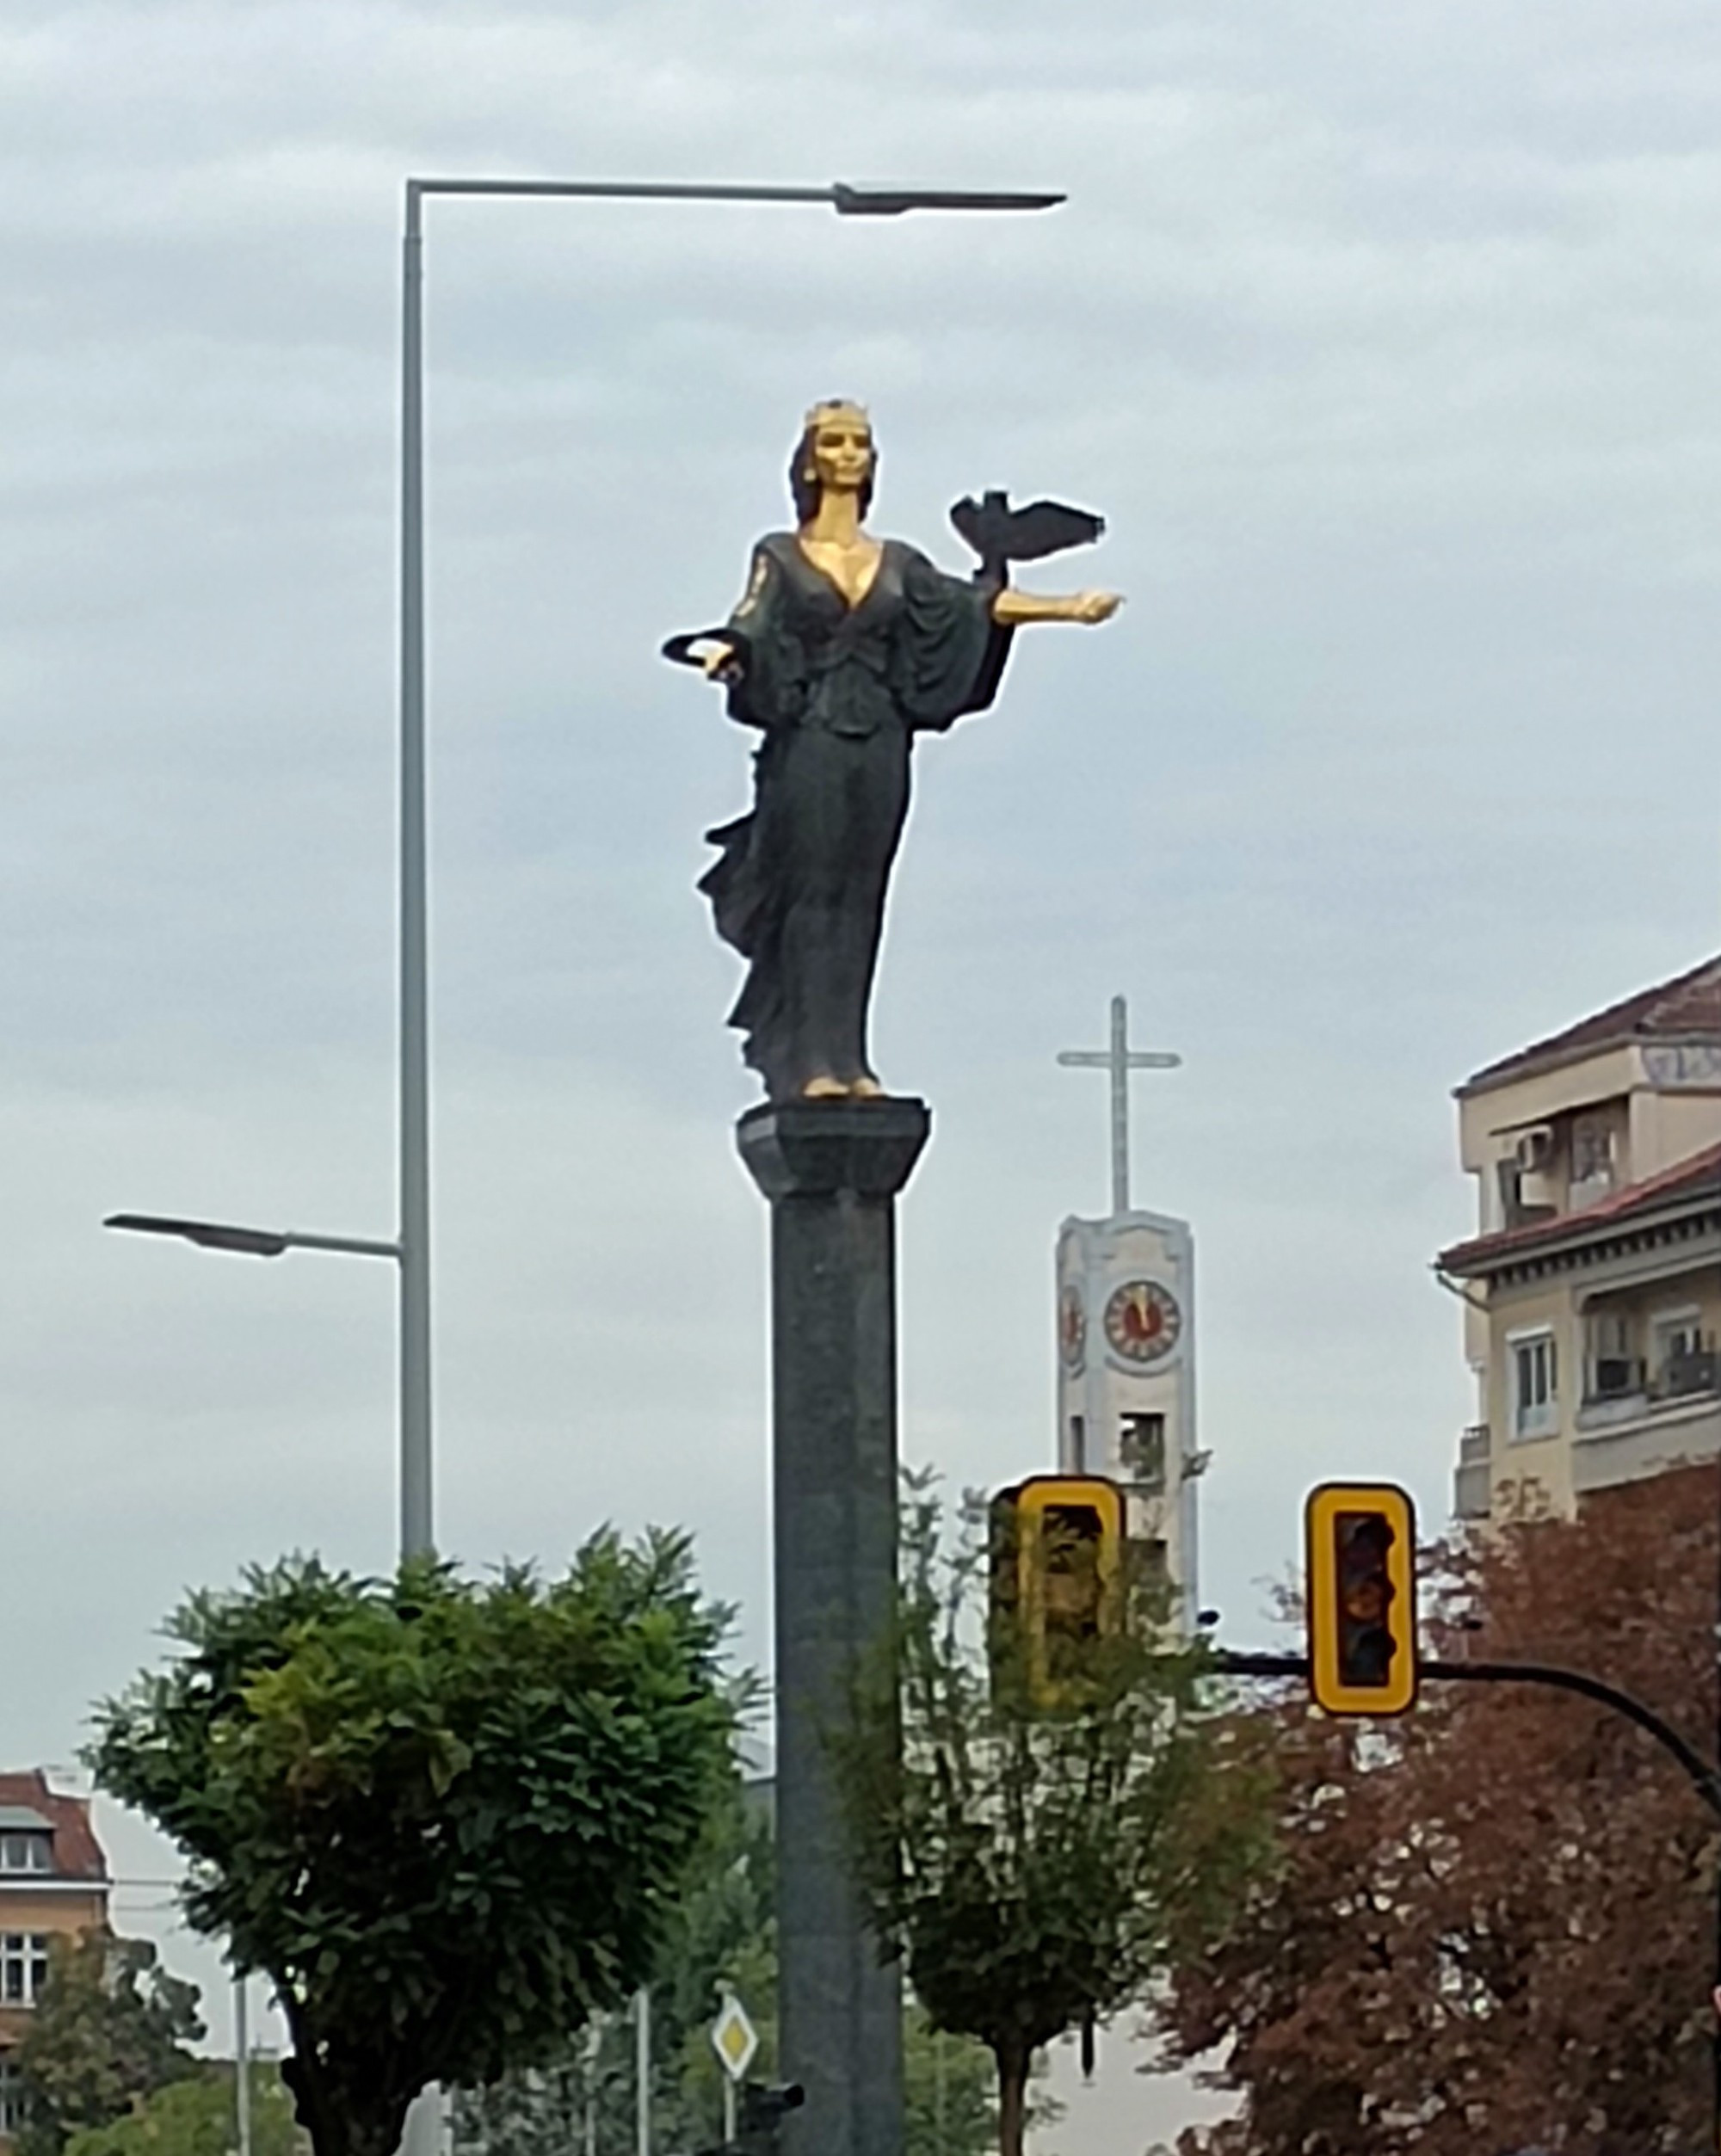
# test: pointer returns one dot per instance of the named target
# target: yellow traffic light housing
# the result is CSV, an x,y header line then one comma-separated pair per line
x,y
1058,1576
1361,1553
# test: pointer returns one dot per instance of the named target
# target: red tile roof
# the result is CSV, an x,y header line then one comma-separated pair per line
x,y
1687,1007
76,1853
1698,1177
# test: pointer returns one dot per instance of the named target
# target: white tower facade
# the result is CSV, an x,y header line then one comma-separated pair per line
x,y
1126,1344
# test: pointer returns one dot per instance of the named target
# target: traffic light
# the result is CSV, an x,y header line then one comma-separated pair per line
x,y
1362,1598
758,2128
1058,1578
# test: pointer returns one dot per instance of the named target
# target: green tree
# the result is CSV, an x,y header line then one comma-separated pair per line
x,y
950,2108
725,1933
727,1936
1035,1867
449,1820
195,2117
111,2026
721,1932
583,2097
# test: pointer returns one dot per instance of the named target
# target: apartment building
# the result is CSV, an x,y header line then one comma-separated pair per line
x,y
54,1882
1593,1285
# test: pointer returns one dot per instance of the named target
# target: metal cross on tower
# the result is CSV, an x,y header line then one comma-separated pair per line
x,y
1120,1059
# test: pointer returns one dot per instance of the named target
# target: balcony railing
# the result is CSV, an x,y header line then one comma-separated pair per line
x,y
1682,1376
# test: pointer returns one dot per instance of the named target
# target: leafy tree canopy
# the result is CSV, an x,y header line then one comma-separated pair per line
x,y
449,1819
195,2117
1036,1867
1493,1922
110,2027
725,1933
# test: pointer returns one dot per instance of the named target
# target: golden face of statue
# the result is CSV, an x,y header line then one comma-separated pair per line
x,y
841,447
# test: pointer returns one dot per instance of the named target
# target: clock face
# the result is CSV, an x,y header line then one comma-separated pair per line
x,y
1143,1321
1072,1327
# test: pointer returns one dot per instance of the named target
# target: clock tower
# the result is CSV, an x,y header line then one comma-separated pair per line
x,y
1126,1342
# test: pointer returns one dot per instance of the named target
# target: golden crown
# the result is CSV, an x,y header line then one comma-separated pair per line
x,y
826,405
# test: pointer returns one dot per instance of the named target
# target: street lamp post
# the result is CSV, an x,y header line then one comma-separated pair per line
x,y
249,1243
415,1113
413,1251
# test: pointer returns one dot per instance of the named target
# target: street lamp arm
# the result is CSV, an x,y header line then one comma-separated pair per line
x,y
846,200
623,190
351,1246
892,201
249,1243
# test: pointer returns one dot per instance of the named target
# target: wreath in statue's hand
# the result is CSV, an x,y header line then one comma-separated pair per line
x,y
724,657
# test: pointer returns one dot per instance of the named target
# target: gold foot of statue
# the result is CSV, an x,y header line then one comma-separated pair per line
x,y
825,1088
867,1088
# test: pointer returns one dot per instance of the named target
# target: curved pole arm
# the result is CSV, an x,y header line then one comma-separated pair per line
x,y
1703,1777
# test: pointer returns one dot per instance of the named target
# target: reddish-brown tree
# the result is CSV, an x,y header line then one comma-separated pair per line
x,y
1493,1926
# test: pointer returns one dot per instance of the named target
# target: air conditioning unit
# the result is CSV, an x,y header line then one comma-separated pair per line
x,y
1538,1193
1617,1377
1534,1149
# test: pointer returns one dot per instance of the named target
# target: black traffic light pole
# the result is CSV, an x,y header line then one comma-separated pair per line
x,y
1703,1777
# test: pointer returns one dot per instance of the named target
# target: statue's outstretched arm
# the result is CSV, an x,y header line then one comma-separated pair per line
x,y
1011,609
721,654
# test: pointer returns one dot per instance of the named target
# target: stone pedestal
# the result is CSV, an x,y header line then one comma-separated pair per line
x,y
831,1170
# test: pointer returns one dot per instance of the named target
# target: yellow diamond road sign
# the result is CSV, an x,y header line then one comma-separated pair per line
x,y
734,2038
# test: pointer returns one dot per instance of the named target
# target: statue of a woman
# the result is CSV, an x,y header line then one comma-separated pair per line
x,y
843,648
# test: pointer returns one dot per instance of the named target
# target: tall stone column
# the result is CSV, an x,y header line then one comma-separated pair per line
x,y
831,1170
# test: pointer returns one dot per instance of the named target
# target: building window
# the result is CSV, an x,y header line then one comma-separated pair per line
x,y
1616,1370
23,1967
1592,1154
26,1852
1078,1445
1677,1333
14,2101
1535,1393
1141,1447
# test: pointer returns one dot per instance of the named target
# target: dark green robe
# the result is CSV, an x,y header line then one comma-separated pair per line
x,y
839,693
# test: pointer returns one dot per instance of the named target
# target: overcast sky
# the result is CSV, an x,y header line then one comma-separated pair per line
x,y
1385,338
